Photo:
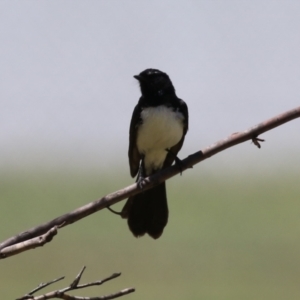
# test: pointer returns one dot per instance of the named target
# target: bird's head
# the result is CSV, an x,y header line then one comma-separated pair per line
x,y
155,84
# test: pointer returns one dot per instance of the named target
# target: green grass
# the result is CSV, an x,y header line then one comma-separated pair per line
x,y
233,238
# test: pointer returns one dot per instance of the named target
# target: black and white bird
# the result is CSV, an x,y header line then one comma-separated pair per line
x,y
158,127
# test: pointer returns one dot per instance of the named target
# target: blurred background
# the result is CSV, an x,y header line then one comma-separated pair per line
x,y
67,94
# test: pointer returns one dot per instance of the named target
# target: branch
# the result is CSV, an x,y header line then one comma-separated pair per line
x,y
90,208
61,294
29,244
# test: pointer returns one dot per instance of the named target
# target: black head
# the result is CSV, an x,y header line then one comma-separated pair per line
x,y
155,84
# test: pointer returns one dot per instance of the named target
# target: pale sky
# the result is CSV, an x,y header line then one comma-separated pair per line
x,y
67,88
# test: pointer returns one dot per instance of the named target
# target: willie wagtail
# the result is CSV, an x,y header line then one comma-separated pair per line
x,y
158,126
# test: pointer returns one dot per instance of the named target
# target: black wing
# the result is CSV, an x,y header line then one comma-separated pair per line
x,y
133,153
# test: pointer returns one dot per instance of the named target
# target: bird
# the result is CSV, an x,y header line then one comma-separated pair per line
x,y
157,131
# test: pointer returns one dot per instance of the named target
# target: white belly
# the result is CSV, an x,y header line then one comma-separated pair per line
x,y
162,128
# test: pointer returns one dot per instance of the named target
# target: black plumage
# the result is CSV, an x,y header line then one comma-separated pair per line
x,y
157,130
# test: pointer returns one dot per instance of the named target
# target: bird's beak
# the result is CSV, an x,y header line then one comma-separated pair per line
x,y
139,77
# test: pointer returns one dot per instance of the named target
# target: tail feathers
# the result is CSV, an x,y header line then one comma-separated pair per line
x,y
147,212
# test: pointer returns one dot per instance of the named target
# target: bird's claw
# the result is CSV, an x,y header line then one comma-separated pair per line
x,y
141,182
179,164
178,161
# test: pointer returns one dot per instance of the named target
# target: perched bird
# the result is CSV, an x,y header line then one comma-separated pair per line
x,y
157,130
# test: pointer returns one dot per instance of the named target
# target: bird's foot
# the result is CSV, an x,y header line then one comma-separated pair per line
x,y
141,182
178,161
179,164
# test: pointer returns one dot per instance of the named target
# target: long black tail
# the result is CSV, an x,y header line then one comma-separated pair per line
x,y
147,212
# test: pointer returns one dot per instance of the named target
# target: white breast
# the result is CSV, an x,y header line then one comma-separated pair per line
x,y
161,129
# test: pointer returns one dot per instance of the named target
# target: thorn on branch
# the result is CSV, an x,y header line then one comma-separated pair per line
x,y
61,294
256,140
75,282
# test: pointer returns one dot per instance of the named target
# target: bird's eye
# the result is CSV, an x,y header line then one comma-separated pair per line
x,y
160,92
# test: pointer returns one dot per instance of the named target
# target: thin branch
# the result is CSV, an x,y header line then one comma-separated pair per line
x,y
77,279
43,285
29,244
61,294
90,208
99,282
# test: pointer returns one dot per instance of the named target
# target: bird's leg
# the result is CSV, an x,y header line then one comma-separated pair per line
x,y
178,161
140,182
114,211
141,175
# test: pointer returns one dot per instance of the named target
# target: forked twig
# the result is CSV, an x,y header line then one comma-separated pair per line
x,y
38,241
61,293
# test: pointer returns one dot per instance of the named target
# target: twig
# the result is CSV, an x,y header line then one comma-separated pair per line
x,y
43,285
90,208
61,294
256,140
77,279
29,244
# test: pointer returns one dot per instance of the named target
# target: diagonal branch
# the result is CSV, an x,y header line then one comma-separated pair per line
x,y
61,294
43,285
31,243
92,207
